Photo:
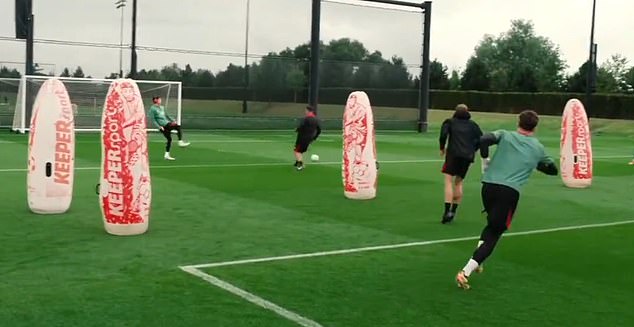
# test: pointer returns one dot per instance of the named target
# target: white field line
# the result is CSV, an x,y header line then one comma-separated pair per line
x,y
274,164
398,245
290,315
263,164
303,321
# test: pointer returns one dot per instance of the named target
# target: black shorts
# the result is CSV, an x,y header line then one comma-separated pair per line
x,y
499,203
168,128
455,166
301,144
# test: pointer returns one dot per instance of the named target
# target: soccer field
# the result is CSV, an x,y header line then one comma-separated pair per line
x,y
239,238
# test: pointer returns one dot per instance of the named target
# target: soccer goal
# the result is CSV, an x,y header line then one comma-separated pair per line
x,y
88,96
8,98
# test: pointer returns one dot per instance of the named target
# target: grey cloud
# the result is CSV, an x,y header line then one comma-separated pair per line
x,y
457,26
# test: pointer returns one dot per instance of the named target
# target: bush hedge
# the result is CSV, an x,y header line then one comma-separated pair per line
x,y
615,106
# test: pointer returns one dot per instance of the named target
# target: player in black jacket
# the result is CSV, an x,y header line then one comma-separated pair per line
x,y
307,131
464,135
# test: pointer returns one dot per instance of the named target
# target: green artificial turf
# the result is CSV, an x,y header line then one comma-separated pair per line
x,y
234,195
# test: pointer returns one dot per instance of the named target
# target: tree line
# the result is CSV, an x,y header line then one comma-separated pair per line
x,y
517,60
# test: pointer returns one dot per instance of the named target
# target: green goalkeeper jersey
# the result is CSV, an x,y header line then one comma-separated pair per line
x,y
159,116
515,159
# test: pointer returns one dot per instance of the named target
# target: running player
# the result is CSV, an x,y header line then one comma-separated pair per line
x,y
518,154
464,136
307,132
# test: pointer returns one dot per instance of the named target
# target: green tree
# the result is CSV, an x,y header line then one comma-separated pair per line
x,y
301,53
476,76
9,73
394,74
171,73
606,82
345,63
367,73
150,75
629,80
65,73
233,76
617,68
438,78
204,78
454,80
112,76
577,81
270,75
339,59
520,60
187,76
296,80
79,73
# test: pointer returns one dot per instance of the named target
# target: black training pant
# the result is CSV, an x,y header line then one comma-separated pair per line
x,y
167,132
499,203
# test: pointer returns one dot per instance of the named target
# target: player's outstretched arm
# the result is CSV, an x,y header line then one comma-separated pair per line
x,y
486,141
318,132
548,167
477,134
444,133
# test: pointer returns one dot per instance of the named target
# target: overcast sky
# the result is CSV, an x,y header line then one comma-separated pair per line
x,y
219,25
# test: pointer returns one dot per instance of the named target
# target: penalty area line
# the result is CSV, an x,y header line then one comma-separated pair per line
x,y
215,281
398,246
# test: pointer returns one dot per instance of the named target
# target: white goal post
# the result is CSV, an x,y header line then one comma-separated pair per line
x,y
8,99
88,96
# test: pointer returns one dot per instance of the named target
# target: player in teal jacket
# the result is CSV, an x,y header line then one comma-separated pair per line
x,y
166,125
517,155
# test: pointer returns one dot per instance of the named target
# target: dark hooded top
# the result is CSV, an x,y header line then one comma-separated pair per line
x,y
463,134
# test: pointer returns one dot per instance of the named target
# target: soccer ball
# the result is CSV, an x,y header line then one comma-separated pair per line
x,y
314,157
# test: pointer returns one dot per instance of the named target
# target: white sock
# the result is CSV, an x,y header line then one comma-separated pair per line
x,y
470,267
167,154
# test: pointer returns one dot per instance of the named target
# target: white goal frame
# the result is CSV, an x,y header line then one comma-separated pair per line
x,y
24,127
5,80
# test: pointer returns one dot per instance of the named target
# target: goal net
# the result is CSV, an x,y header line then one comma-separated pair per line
x,y
8,98
88,96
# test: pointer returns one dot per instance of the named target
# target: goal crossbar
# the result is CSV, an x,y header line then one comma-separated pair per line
x,y
88,96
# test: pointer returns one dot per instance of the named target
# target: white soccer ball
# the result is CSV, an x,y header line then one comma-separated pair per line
x,y
314,157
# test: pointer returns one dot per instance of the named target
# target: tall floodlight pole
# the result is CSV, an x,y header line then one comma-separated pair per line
x,y
313,91
246,64
133,57
120,4
591,62
29,37
423,106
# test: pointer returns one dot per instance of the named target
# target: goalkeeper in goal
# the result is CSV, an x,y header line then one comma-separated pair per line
x,y
166,125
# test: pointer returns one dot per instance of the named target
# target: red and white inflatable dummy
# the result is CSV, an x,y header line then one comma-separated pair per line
x,y
359,167
125,193
575,147
51,160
